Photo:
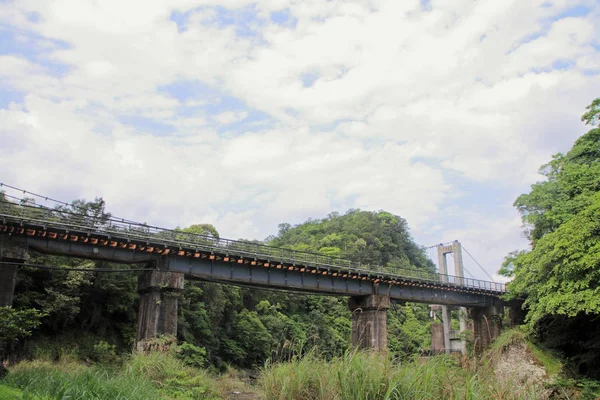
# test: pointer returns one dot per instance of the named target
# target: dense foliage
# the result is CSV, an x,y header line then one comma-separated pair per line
x,y
370,238
219,325
560,277
18,323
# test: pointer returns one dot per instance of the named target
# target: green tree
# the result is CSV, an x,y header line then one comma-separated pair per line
x,y
17,324
559,278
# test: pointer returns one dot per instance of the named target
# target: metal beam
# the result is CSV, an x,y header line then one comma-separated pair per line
x,y
294,279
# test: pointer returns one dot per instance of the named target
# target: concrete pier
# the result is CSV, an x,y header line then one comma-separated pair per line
x,y
487,326
369,321
157,314
516,313
12,251
437,338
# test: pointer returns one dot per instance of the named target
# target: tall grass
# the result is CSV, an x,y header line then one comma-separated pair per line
x,y
10,393
172,377
359,375
143,376
43,379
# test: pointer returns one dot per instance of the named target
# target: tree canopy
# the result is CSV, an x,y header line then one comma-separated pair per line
x,y
375,238
561,274
559,278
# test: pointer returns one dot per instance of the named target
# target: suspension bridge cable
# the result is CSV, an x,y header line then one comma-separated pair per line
x,y
479,265
465,268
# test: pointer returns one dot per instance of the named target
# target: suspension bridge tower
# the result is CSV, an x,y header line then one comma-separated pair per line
x,y
443,338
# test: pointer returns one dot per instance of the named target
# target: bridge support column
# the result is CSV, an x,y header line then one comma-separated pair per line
x,y
369,321
463,320
12,251
157,314
516,314
486,326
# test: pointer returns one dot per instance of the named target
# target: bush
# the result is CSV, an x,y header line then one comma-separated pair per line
x,y
172,376
191,355
104,352
17,324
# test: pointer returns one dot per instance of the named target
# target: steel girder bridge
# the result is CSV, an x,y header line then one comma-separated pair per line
x,y
66,232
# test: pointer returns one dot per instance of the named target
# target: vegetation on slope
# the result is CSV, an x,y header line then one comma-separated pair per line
x,y
560,276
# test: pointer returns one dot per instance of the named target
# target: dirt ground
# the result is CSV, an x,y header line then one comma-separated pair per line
x,y
518,365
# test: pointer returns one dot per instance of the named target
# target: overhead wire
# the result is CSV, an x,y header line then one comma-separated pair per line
x,y
53,267
46,198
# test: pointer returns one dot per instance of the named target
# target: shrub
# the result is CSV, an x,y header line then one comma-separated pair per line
x,y
104,352
172,376
191,355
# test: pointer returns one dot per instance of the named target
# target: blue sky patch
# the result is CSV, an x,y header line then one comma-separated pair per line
x,y
578,11
562,64
527,39
33,47
190,90
309,78
180,19
8,96
211,102
284,18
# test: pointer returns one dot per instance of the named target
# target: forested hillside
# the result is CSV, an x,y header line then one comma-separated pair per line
x,y
560,276
88,312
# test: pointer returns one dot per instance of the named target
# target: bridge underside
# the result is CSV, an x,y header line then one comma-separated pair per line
x,y
268,274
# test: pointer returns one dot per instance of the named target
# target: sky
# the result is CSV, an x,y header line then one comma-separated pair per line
x,y
248,114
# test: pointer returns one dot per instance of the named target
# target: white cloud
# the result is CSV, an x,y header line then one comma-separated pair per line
x,y
408,110
230,117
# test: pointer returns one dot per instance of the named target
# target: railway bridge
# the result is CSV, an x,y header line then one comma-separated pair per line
x,y
174,255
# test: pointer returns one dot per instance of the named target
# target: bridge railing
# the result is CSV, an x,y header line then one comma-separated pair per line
x,y
97,223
